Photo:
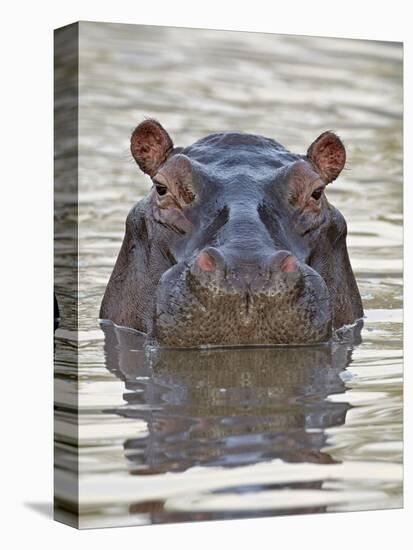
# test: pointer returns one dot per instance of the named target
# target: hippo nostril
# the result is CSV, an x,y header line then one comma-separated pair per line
x,y
289,265
208,260
283,262
205,262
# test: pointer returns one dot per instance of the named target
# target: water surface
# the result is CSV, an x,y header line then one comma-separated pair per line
x,y
177,436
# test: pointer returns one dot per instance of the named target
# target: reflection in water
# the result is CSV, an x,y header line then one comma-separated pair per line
x,y
226,407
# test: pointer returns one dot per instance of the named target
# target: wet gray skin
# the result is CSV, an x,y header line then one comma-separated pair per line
x,y
236,244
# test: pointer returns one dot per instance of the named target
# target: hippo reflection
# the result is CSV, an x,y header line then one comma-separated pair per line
x,y
226,407
236,244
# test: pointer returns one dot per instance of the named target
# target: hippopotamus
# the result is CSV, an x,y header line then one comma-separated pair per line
x,y
236,244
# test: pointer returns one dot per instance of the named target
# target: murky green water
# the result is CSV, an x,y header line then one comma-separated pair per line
x,y
183,436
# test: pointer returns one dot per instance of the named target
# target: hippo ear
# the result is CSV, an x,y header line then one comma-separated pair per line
x,y
150,146
328,156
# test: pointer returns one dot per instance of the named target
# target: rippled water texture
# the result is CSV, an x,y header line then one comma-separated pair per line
x,y
179,436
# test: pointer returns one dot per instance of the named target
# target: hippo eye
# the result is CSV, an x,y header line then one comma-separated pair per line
x,y
317,193
160,188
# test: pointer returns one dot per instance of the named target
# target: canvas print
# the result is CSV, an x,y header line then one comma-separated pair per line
x,y
228,275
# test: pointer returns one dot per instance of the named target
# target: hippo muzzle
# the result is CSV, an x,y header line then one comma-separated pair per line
x,y
209,301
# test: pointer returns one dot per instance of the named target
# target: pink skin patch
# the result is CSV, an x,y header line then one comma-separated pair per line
x,y
289,265
205,262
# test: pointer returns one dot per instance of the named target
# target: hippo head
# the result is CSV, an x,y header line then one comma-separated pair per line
x,y
236,244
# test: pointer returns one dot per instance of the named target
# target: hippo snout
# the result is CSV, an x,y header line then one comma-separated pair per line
x,y
211,260
222,299
217,271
